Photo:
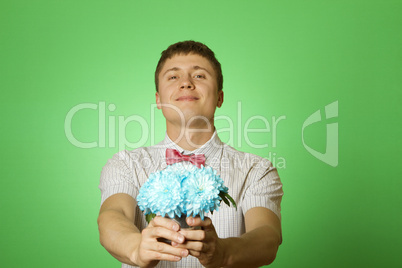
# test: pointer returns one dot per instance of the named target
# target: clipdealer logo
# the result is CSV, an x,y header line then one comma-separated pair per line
x,y
111,129
113,124
118,124
330,156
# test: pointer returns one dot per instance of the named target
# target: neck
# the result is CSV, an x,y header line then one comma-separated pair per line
x,y
189,138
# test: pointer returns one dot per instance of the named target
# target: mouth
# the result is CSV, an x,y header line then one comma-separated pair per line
x,y
187,98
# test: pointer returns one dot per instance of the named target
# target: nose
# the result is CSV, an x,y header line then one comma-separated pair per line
x,y
186,83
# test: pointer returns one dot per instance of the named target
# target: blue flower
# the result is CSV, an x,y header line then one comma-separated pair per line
x,y
202,188
161,194
182,188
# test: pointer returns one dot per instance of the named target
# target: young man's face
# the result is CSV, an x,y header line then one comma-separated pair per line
x,y
188,82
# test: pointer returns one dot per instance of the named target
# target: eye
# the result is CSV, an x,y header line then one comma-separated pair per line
x,y
199,76
172,77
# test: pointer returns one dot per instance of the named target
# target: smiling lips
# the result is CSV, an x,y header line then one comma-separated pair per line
x,y
187,98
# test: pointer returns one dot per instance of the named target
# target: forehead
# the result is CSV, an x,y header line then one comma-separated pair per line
x,y
187,62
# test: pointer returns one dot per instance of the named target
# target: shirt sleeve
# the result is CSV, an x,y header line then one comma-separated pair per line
x,y
264,189
117,177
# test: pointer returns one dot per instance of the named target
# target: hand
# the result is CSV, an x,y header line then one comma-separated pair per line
x,y
203,244
150,251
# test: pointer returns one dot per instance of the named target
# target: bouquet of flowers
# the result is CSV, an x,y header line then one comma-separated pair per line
x,y
182,189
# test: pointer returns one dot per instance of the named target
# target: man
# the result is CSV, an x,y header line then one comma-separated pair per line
x,y
189,80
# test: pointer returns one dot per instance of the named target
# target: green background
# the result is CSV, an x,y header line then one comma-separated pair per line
x,y
279,58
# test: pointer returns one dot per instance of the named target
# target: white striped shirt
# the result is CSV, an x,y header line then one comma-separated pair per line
x,y
252,182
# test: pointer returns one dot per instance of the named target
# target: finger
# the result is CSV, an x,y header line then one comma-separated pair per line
x,y
197,235
192,245
161,232
188,246
160,248
196,221
154,255
194,253
164,222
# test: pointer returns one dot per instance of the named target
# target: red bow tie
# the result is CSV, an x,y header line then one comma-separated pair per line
x,y
174,156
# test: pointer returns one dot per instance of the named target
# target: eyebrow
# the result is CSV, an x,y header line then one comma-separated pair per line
x,y
196,67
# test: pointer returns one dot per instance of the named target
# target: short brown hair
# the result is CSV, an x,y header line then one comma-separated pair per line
x,y
190,47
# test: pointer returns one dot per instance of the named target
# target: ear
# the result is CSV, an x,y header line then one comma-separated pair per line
x,y
158,100
220,99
